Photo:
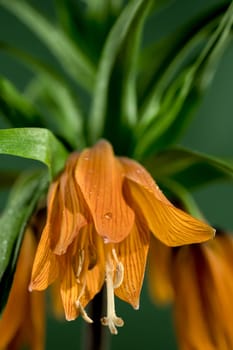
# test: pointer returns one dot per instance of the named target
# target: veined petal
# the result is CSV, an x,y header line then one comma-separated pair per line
x,y
159,272
70,289
45,267
89,263
54,213
189,309
71,200
132,253
170,225
100,176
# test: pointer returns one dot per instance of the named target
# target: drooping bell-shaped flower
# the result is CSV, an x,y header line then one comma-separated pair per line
x,y
203,293
101,212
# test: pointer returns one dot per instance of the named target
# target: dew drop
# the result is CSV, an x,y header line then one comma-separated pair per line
x,y
106,240
108,216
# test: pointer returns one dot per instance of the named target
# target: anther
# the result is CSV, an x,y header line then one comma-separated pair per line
x,y
81,255
119,273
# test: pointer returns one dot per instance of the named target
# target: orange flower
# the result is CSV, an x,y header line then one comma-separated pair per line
x,y
22,322
203,294
101,211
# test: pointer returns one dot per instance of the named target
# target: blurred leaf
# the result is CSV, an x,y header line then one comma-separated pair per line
x,y
22,113
15,108
102,9
74,62
188,168
166,107
13,221
111,49
65,115
34,143
121,103
162,59
7,178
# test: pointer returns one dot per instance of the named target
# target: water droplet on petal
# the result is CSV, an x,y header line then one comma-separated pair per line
x,y
106,240
108,216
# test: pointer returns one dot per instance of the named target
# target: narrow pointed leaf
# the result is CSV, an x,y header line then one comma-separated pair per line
x,y
74,62
17,110
110,51
21,204
164,104
62,107
34,143
189,168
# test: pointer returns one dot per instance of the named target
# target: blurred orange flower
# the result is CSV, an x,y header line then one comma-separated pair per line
x,y
22,322
101,211
203,294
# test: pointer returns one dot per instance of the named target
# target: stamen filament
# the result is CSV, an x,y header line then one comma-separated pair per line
x,y
83,313
80,264
112,320
79,306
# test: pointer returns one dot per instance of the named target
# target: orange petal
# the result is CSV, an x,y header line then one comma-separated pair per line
x,y
45,267
100,176
69,289
191,326
54,212
14,312
35,322
159,272
132,253
217,276
92,267
71,200
170,225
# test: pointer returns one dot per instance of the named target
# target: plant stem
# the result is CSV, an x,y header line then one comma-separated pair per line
x,y
96,337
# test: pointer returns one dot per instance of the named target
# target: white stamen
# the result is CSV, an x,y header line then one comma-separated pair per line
x,y
111,320
83,312
81,309
119,273
80,264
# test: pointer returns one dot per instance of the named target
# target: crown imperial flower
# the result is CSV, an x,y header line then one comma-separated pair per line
x,y
101,212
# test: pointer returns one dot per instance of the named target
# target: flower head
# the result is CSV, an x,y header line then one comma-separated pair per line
x,y
101,211
203,292
22,321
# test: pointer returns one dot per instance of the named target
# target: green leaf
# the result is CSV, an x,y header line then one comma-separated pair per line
x,y
103,9
163,107
161,60
14,219
65,109
74,62
61,106
188,168
111,49
15,107
34,143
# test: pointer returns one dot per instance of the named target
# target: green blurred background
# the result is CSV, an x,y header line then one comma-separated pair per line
x,y
211,131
